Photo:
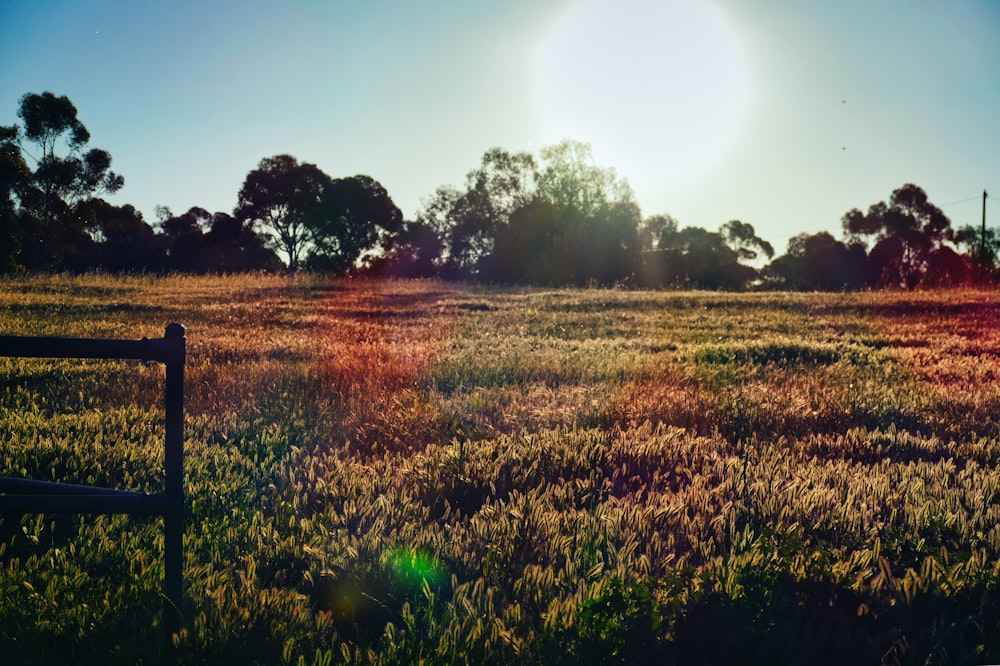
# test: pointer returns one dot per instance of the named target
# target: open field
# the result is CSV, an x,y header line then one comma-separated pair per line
x,y
398,472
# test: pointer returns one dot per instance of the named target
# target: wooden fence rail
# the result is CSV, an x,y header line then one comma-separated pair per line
x,y
21,496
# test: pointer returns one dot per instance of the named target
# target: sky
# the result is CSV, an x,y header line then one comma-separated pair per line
x,y
784,114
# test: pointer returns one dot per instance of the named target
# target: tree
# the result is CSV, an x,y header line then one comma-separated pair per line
x,y
742,238
709,262
502,184
279,196
534,246
819,262
184,237
233,247
656,230
123,240
15,177
610,249
982,250
203,242
50,232
909,233
570,178
695,257
353,216
49,119
437,214
467,221
415,252
581,225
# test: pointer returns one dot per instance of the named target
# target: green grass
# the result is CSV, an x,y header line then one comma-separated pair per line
x,y
407,472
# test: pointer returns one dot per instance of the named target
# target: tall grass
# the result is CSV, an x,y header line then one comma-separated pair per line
x,y
405,472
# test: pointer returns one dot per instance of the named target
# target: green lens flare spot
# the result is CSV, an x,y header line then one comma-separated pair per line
x,y
411,568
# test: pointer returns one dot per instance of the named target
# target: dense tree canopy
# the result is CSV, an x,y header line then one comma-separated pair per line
x,y
40,224
581,225
743,239
982,246
820,262
909,236
467,221
555,218
562,220
279,196
14,178
199,241
315,221
696,258
122,239
415,251
353,216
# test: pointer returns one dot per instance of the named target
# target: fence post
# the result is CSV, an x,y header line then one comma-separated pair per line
x,y
173,462
20,496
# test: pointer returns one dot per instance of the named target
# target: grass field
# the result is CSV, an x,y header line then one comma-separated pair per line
x,y
424,472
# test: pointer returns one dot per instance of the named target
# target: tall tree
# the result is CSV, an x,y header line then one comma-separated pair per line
x,y
503,183
124,241
184,237
202,242
982,250
656,230
743,238
581,225
231,247
352,216
279,196
532,246
695,257
819,262
15,177
909,235
65,174
467,221
415,251
570,178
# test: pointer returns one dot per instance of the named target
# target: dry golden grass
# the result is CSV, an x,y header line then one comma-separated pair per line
x,y
396,472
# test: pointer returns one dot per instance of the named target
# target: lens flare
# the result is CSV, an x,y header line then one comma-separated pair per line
x,y
412,569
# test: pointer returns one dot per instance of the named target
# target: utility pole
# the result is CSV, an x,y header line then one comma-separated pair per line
x,y
982,242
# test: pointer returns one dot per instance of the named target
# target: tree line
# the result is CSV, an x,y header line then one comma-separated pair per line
x,y
552,219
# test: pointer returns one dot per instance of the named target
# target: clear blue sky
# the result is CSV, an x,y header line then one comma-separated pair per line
x,y
781,113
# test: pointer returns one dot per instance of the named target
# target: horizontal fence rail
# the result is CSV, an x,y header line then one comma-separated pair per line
x,y
21,496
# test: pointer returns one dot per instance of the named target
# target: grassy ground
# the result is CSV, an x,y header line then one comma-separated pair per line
x,y
399,472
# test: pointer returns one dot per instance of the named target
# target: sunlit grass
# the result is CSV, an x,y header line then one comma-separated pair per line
x,y
390,472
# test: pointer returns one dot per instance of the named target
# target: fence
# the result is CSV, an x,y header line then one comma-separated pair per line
x,y
30,496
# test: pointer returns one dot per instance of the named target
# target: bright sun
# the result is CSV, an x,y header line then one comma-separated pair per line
x,y
660,88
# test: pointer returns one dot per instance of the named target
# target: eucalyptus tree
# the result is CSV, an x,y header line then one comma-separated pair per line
x,y
14,178
467,220
580,226
908,238
53,140
352,217
279,196
696,257
569,177
982,247
743,238
819,262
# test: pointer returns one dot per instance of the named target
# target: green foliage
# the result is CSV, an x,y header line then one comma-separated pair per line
x,y
353,216
279,196
909,234
48,232
407,472
560,221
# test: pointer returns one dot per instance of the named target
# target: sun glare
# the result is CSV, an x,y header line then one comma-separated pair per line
x,y
660,88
